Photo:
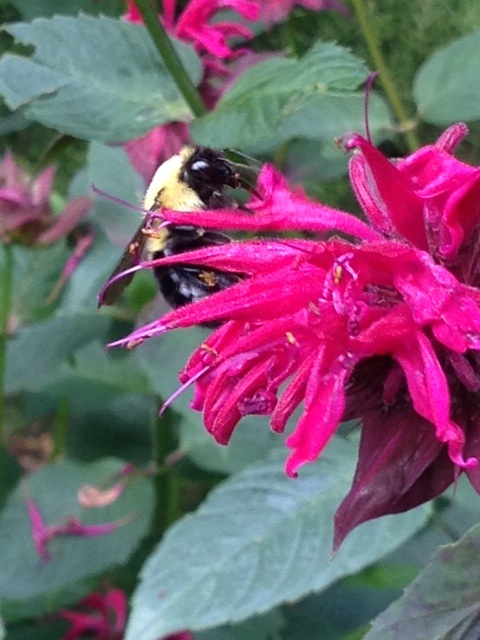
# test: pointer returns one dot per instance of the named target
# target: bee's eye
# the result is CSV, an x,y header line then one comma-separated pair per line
x,y
199,165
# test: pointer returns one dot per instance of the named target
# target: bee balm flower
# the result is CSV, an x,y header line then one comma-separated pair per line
x,y
384,327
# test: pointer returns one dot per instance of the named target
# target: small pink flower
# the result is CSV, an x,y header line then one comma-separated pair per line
x,y
104,618
384,327
26,216
70,526
277,10
25,213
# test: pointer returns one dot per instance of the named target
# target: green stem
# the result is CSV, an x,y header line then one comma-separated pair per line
x,y
5,308
291,36
170,57
384,74
167,483
60,428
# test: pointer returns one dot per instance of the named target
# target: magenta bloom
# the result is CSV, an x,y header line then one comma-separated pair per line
x,y
384,328
25,213
104,616
69,526
277,10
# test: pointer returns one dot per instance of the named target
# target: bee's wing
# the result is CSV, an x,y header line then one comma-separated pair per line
x,y
110,293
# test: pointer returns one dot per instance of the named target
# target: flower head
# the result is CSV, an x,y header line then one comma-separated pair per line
x,y
25,213
277,10
384,327
104,615
42,533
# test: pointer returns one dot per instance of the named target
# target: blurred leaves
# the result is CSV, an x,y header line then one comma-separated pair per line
x,y
54,488
108,84
35,353
446,88
257,541
45,8
281,98
442,603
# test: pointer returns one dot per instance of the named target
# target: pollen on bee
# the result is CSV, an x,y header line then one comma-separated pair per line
x,y
133,247
209,278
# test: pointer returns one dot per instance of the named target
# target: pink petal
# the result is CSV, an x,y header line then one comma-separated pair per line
x,y
74,213
384,188
430,394
324,408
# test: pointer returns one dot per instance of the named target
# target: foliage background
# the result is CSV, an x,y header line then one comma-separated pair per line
x,y
253,558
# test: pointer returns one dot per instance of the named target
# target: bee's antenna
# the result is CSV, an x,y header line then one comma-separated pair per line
x,y
120,201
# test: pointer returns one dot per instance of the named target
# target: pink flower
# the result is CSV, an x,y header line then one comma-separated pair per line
x,y
69,526
194,24
25,213
156,146
277,10
27,218
105,616
384,327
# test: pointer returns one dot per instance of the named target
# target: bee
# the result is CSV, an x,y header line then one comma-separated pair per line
x,y
193,179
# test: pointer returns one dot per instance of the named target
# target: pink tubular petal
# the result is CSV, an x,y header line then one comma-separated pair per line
x,y
451,137
37,526
169,401
324,408
383,188
223,419
430,394
74,213
279,210
292,396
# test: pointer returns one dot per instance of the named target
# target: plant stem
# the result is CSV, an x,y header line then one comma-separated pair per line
x,y
170,57
167,483
5,305
60,428
384,74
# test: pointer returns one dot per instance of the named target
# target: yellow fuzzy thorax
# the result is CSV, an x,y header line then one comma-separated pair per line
x,y
167,190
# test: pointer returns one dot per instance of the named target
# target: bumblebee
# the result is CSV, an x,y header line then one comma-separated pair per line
x,y
193,179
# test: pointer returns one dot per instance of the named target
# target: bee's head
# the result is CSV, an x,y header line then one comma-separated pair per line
x,y
208,166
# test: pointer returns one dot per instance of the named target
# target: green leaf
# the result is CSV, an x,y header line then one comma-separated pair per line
x,y
13,122
282,98
339,610
446,87
260,539
262,627
443,603
93,78
109,169
45,630
119,427
44,8
54,488
101,375
252,440
35,353
15,611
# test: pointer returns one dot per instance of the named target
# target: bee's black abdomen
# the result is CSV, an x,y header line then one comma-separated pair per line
x,y
184,284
